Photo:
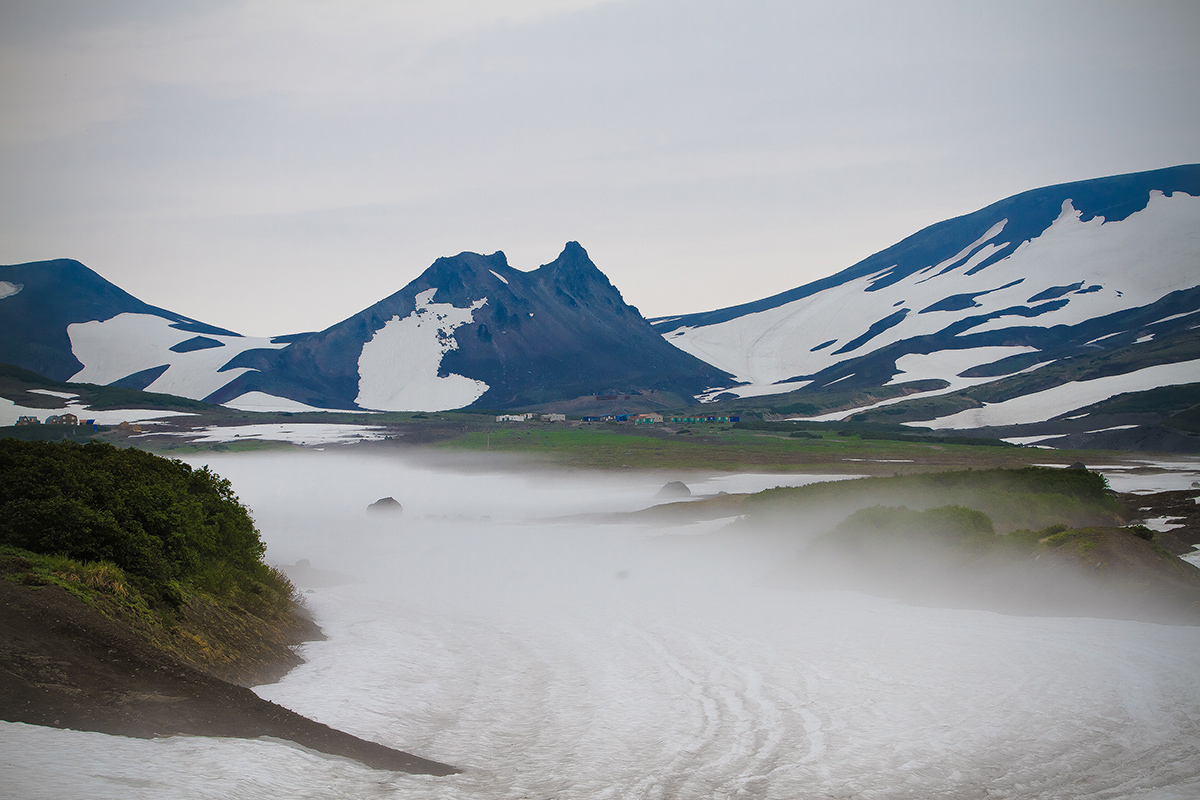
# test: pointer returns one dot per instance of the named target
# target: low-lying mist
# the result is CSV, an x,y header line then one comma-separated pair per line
x,y
512,623
489,535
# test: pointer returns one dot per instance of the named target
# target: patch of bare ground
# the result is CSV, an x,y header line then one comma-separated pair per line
x,y
65,664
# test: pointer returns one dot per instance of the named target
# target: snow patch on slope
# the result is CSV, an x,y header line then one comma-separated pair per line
x,y
956,383
302,433
1136,261
50,393
8,288
114,348
1044,405
947,365
992,233
261,401
398,367
752,391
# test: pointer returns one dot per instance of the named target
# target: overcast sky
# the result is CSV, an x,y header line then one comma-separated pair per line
x,y
274,167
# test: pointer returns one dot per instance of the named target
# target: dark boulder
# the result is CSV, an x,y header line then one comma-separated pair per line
x,y
387,505
674,489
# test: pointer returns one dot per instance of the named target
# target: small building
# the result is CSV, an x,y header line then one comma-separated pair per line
x,y
554,417
130,427
646,419
699,420
515,417
62,419
28,420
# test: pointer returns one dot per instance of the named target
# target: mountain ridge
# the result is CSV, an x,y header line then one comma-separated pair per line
x,y
1055,293
469,330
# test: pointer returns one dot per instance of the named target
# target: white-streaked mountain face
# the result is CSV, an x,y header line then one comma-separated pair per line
x,y
1055,273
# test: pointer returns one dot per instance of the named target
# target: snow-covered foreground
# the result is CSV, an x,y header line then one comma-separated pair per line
x,y
563,659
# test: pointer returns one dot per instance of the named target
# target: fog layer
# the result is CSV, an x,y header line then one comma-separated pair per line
x,y
566,659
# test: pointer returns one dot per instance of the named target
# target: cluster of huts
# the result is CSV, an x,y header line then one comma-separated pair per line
x,y
68,418
55,419
637,419
529,416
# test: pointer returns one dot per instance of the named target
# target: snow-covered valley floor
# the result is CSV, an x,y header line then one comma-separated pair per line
x,y
573,660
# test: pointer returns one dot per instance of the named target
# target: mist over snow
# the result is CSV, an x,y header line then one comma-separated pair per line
x,y
552,656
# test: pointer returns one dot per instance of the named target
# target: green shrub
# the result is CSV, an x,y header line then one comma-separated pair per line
x,y
163,523
950,524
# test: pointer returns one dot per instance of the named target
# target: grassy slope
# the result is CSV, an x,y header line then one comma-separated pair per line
x,y
247,641
723,448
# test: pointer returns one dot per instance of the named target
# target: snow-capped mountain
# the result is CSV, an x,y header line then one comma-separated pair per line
x,y
471,330
62,320
1101,274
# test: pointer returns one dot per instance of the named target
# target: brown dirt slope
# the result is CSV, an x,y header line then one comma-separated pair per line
x,y
66,665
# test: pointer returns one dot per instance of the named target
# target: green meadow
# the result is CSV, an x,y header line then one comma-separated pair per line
x,y
724,448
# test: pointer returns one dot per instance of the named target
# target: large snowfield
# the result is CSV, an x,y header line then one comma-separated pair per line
x,y
560,658
129,343
399,368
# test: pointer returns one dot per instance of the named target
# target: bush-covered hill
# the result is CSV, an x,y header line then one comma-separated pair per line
x,y
165,547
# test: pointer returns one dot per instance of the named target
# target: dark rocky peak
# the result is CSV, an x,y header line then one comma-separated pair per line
x,y
577,281
462,279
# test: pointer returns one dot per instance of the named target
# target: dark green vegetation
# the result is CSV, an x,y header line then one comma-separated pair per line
x,y
50,433
1031,497
168,548
163,523
870,430
16,382
1179,406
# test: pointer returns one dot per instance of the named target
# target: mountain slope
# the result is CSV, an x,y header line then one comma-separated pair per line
x,y
39,302
471,330
1100,275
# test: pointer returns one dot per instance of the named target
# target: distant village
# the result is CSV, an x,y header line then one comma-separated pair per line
x,y
71,419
